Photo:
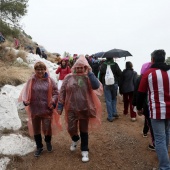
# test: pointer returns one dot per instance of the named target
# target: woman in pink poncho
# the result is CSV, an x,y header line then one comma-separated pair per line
x,y
81,104
40,96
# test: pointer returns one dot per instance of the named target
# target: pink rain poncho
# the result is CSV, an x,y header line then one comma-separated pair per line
x,y
145,67
41,93
79,99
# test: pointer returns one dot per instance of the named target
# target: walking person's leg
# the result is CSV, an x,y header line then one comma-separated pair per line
x,y
108,98
161,130
114,100
145,128
151,146
46,126
83,126
125,103
167,132
132,113
36,122
73,130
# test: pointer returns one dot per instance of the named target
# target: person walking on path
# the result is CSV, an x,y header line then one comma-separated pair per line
x,y
156,82
63,70
40,96
44,55
95,66
82,106
127,86
110,91
38,51
147,122
16,43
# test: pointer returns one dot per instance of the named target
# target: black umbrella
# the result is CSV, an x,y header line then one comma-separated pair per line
x,y
99,55
116,53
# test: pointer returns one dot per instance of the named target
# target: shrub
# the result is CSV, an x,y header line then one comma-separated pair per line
x,y
22,54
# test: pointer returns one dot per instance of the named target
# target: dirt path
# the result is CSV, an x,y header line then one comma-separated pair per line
x,y
116,145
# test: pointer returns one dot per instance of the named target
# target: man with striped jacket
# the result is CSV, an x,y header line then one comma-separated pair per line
x,y
156,83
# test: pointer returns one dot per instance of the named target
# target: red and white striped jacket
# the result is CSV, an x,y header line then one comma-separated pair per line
x,y
156,83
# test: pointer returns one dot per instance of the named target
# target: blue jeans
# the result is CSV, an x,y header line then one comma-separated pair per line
x,y
110,92
161,130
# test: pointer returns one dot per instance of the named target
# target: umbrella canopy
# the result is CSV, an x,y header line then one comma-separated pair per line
x,y
99,55
116,53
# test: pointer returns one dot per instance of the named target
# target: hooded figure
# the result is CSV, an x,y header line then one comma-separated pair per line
x,y
81,104
40,96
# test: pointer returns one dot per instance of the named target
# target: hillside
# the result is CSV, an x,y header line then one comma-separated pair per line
x,y
116,145
11,71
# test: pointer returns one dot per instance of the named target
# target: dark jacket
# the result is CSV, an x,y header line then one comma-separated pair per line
x,y
127,81
134,101
115,69
38,51
44,55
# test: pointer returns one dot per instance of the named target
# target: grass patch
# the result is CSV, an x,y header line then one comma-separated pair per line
x,y
13,75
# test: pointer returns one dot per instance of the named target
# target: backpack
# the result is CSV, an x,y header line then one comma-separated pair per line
x,y
109,77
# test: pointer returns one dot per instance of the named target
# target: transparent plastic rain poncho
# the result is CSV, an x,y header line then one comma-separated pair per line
x,y
79,99
41,93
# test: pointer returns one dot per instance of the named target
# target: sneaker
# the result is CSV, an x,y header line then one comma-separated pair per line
x,y
151,147
145,135
49,147
133,119
110,120
116,116
85,156
73,146
38,152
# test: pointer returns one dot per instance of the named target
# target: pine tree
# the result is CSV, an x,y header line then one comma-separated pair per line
x,y
11,11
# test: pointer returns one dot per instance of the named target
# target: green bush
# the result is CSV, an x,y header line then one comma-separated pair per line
x,y
7,30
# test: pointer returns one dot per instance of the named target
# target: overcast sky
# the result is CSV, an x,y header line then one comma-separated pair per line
x,y
91,26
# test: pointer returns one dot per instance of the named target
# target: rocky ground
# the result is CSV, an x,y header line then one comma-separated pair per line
x,y
116,145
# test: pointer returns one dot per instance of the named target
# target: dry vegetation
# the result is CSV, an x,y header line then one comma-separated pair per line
x,y
12,72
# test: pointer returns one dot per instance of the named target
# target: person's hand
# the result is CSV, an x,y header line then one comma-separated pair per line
x,y
88,69
59,112
140,112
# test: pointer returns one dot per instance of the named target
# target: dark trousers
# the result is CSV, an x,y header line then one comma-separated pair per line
x,y
38,140
127,100
147,127
84,140
83,127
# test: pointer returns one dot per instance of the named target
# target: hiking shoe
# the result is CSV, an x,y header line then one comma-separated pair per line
x,y
85,156
49,146
73,145
133,119
145,135
38,152
151,147
116,116
110,120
